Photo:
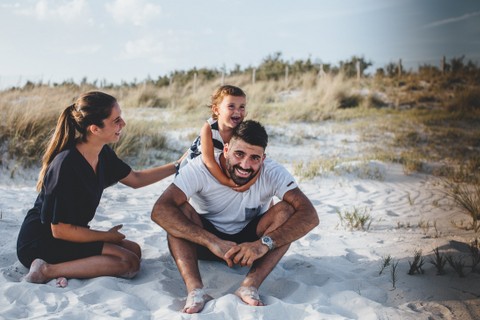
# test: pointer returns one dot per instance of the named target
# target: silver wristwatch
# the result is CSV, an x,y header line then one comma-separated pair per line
x,y
266,240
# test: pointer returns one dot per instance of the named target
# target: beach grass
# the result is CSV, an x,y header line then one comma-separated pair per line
x,y
427,121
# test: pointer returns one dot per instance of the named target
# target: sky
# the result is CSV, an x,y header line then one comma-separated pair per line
x,y
132,40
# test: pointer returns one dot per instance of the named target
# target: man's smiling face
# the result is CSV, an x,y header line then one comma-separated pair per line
x,y
243,160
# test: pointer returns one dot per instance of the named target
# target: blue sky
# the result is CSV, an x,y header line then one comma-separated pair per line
x,y
115,40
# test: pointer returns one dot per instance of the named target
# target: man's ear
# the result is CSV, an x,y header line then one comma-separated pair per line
x,y
225,149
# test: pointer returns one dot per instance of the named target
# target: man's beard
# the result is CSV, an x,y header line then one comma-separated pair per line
x,y
239,180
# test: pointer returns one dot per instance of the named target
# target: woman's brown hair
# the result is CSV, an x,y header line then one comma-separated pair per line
x,y
91,108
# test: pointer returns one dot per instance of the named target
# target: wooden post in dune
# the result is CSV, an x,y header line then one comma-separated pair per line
x,y
399,67
321,72
359,73
286,75
443,63
195,83
254,71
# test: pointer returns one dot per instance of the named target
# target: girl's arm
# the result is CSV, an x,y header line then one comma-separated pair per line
x,y
73,233
247,186
208,157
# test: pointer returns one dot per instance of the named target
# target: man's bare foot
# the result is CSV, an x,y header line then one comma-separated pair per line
x,y
36,273
196,300
249,295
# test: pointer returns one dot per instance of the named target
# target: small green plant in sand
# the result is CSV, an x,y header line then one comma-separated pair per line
x,y
393,274
356,219
466,197
411,200
417,263
438,261
386,261
313,168
457,264
475,255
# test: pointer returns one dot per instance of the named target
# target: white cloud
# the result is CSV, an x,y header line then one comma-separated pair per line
x,y
66,11
136,12
84,49
452,20
147,48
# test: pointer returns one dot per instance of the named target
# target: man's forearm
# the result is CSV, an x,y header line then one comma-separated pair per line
x,y
177,224
293,229
302,221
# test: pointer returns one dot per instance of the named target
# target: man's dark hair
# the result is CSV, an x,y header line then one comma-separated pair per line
x,y
252,132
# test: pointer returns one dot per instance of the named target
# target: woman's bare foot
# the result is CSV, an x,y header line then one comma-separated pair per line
x,y
196,300
249,295
37,272
62,282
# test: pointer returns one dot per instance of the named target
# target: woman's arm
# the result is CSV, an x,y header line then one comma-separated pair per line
x,y
73,233
142,178
208,157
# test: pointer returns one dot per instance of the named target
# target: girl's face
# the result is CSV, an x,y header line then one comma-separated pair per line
x,y
231,111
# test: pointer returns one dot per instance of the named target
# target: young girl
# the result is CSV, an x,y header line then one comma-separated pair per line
x,y
228,105
55,240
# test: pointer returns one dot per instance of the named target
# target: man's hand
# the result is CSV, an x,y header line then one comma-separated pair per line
x,y
246,253
220,248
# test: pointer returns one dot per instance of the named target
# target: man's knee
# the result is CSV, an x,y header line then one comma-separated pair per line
x,y
282,211
277,215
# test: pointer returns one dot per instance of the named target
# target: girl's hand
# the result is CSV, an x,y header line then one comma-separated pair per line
x,y
114,235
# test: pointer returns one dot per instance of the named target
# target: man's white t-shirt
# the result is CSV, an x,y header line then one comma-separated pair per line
x,y
228,210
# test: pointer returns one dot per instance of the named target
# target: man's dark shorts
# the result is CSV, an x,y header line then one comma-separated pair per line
x,y
248,234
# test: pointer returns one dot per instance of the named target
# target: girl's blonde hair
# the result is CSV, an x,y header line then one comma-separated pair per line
x,y
222,92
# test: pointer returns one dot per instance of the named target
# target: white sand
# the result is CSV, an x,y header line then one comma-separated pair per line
x,y
332,273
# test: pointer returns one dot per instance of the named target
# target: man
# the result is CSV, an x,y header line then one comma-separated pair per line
x,y
239,228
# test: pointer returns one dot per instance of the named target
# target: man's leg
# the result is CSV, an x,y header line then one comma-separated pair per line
x,y
271,220
185,255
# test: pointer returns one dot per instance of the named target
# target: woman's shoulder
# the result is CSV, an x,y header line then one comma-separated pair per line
x,y
66,155
64,163
107,150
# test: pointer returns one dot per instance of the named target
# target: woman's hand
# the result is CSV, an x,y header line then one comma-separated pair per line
x,y
114,236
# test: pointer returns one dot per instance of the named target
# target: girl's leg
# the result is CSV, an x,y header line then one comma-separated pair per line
x,y
115,260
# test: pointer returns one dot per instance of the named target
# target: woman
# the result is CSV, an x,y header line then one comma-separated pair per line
x,y
55,240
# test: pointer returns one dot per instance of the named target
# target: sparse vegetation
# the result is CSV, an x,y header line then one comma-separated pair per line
x,y
475,255
386,261
394,273
467,197
415,119
457,264
438,261
356,219
417,263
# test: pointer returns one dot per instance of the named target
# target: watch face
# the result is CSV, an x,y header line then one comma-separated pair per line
x,y
266,240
